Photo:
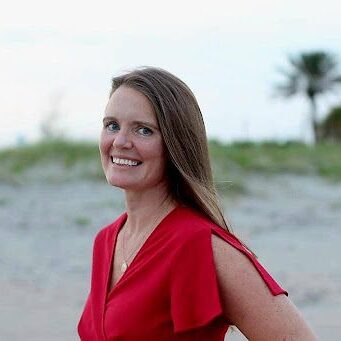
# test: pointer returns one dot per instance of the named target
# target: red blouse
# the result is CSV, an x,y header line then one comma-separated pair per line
x,y
170,289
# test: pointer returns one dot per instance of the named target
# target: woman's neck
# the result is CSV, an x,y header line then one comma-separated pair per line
x,y
144,208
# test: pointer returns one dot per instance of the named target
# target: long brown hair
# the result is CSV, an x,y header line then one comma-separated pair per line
x,y
183,130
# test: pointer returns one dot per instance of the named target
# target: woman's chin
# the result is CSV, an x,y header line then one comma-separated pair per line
x,y
115,183
120,183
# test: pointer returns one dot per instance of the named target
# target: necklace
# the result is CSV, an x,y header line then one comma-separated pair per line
x,y
149,230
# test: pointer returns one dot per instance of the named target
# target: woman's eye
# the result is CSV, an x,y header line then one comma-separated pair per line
x,y
145,131
112,126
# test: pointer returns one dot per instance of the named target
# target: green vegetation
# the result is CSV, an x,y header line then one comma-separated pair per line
x,y
66,152
331,126
82,221
62,158
274,158
73,160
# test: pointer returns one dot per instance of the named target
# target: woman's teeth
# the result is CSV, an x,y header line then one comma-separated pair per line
x,y
124,162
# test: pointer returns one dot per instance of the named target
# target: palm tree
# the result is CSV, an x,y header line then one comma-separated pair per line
x,y
310,74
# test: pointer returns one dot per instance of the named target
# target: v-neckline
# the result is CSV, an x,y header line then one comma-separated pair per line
x,y
110,267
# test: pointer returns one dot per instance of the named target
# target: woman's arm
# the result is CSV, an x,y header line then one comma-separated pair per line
x,y
249,304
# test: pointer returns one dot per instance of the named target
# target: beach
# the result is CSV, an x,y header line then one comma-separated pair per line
x,y
292,223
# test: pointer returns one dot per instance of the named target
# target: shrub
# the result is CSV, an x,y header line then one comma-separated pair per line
x,y
331,126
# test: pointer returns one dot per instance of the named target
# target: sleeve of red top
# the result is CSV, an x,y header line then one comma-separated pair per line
x,y
195,299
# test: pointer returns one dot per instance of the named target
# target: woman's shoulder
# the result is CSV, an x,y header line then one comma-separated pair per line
x,y
190,222
187,222
228,250
187,226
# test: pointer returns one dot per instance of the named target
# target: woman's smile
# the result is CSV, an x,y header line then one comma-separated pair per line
x,y
125,162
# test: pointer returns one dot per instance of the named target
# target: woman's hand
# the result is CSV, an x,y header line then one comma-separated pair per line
x,y
249,304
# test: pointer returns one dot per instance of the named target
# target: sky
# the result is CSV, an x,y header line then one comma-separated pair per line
x,y
57,60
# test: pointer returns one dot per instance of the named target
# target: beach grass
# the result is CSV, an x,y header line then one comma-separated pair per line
x,y
229,161
53,160
68,153
275,158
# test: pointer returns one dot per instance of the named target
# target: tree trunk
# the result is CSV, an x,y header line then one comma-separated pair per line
x,y
314,123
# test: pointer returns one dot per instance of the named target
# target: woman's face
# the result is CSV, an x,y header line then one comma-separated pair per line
x,y
131,145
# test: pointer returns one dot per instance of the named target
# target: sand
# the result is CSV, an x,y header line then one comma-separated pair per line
x,y
293,223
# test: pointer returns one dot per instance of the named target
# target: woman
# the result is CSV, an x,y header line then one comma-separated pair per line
x,y
168,268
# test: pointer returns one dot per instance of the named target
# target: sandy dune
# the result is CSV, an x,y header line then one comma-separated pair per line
x,y
292,223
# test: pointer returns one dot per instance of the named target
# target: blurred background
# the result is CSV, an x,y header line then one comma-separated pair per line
x,y
267,77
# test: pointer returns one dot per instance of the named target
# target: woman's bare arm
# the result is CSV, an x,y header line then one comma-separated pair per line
x,y
248,302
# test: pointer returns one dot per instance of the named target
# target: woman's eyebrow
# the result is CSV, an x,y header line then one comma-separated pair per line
x,y
147,123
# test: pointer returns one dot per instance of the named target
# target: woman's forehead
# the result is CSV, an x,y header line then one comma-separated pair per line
x,y
128,103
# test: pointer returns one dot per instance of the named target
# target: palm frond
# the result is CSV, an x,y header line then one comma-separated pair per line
x,y
310,72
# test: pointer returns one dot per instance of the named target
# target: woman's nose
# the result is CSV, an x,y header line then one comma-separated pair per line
x,y
122,140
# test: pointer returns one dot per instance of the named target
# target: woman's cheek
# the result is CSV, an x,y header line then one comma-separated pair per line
x,y
105,141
